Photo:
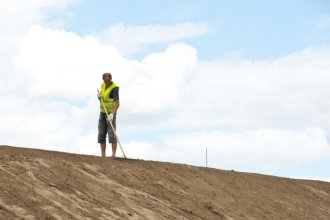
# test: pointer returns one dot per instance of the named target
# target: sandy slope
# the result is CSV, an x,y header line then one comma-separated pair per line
x,y
37,184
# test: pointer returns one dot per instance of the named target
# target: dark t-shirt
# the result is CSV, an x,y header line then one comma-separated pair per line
x,y
114,94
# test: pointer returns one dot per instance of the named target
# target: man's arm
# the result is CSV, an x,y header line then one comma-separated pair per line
x,y
114,111
116,98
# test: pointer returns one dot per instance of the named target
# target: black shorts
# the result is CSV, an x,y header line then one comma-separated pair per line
x,y
105,128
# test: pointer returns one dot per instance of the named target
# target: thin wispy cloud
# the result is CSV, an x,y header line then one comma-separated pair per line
x,y
130,39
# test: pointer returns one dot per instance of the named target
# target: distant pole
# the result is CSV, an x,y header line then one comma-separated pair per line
x,y
206,157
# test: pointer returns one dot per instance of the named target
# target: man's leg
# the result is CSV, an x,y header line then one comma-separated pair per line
x,y
102,127
103,149
112,136
114,149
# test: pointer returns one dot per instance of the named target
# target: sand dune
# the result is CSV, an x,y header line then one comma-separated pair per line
x,y
38,184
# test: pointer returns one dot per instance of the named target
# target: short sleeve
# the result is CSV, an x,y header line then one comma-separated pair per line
x,y
115,93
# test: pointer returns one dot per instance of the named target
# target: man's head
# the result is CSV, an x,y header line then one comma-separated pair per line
x,y
107,78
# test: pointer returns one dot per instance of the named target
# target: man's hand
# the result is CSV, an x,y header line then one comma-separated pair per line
x,y
99,95
110,117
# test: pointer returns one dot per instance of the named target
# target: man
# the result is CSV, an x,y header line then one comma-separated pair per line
x,y
110,95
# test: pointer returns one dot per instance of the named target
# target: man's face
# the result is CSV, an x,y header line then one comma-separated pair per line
x,y
107,79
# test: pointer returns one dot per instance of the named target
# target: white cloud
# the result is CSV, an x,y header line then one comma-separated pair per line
x,y
161,77
256,148
26,120
129,39
139,150
62,64
285,93
16,18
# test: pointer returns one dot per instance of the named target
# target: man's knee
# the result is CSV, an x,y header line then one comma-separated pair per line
x,y
102,137
112,137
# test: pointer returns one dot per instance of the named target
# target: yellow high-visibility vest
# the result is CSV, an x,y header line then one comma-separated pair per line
x,y
109,103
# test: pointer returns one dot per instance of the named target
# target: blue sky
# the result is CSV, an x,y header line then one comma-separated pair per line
x,y
259,29
247,79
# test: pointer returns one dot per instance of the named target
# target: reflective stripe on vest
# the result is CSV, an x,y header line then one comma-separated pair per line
x,y
109,103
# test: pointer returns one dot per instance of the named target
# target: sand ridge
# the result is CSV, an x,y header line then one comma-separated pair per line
x,y
39,184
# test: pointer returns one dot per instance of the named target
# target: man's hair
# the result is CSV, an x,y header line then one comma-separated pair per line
x,y
106,74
